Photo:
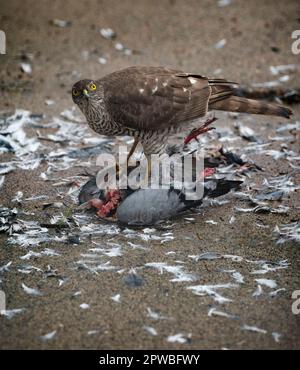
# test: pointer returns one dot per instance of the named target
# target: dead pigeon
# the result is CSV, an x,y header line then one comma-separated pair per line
x,y
147,206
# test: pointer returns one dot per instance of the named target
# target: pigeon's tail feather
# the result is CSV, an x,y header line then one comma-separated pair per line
x,y
243,105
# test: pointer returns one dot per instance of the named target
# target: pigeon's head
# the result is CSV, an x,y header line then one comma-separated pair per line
x,y
85,93
106,204
106,201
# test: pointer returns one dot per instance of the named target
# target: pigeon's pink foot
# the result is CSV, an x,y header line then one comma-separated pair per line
x,y
201,130
96,203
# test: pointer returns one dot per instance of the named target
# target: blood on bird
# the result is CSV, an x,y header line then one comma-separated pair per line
x,y
208,171
113,198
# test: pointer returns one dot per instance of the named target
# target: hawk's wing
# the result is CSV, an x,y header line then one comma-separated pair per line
x,y
152,98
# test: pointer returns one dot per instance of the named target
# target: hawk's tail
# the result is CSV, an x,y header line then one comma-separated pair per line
x,y
223,98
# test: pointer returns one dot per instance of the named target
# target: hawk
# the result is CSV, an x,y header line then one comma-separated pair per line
x,y
153,103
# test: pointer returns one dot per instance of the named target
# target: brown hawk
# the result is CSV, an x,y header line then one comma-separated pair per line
x,y
152,103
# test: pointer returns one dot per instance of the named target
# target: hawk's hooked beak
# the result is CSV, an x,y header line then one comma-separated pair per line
x,y
85,93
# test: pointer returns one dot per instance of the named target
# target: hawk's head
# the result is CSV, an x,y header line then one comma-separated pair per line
x,y
85,93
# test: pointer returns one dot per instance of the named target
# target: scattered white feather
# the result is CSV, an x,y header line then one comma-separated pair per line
x,y
27,269
150,330
215,312
49,252
211,290
30,254
107,33
276,336
206,256
49,102
212,222
148,230
288,232
48,336
9,314
102,60
26,68
179,274
274,293
267,282
84,306
238,277
116,298
92,332
254,329
18,197
177,338
46,252
275,70
258,291
289,126
154,315
223,3
220,44
115,251
233,257
31,291
269,267
232,220
5,268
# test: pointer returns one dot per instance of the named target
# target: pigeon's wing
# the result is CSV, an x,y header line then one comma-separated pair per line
x,y
153,98
149,206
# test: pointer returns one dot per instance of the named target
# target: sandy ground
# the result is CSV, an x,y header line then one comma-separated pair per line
x,y
181,34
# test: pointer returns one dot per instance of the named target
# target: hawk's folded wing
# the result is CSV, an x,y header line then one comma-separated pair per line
x,y
153,98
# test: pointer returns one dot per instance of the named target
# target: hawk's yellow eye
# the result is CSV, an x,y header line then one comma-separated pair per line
x,y
93,86
75,92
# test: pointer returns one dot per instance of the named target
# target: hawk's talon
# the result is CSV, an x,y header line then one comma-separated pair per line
x,y
200,130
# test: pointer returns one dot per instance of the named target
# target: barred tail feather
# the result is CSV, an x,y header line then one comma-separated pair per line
x,y
243,105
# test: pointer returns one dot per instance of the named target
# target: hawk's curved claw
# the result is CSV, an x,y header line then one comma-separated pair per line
x,y
200,130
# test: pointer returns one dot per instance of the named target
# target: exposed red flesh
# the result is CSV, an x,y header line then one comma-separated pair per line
x,y
208,171
113,198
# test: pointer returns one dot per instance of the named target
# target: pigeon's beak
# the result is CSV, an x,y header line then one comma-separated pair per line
x,y
85,93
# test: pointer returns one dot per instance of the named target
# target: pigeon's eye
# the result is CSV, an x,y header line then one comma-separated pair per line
x,y
75,92
93,86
